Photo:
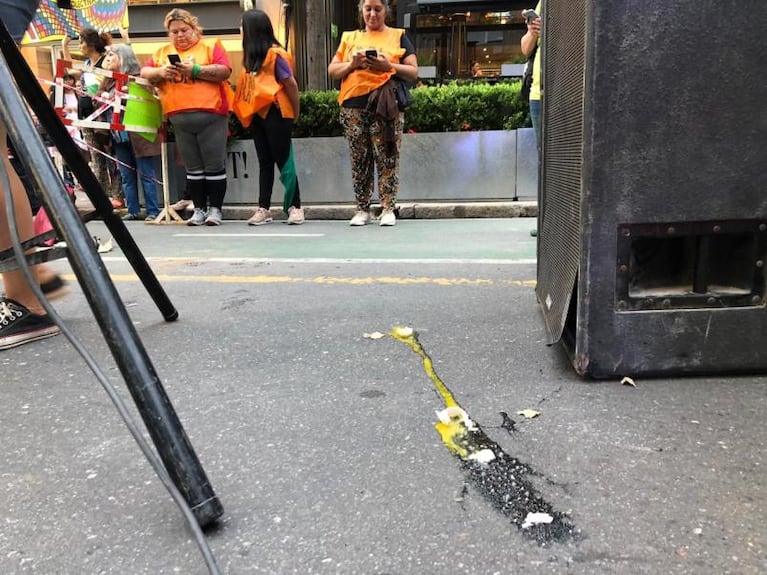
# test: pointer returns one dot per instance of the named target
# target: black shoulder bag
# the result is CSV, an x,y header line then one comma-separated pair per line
x,y
402,93
527,76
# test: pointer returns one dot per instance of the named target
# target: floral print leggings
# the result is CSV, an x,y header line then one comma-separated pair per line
x,y
368,151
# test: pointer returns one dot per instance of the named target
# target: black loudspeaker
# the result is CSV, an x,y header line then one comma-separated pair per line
x,y
653,204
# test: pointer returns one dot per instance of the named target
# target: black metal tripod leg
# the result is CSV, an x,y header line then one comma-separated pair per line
x,y
131,357
46,115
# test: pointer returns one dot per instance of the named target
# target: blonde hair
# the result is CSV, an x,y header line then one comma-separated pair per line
x,y
184,16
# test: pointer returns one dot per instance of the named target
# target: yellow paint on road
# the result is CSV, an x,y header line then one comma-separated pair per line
x,y
321,280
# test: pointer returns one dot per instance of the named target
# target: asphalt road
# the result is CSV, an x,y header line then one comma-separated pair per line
x,y
321,442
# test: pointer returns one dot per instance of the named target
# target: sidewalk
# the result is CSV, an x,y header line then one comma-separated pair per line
x,y
407,211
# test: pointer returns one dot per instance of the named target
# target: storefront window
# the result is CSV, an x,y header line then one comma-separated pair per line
x,y
451,43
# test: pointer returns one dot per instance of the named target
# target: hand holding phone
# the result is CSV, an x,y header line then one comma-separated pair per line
x,y
530,14
371,54
174,59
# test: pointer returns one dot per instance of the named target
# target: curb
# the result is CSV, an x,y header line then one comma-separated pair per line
x,y
407,211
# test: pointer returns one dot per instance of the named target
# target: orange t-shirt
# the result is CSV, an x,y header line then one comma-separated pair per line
x,y
360,82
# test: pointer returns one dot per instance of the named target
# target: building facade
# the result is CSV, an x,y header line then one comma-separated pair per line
x,y
449,35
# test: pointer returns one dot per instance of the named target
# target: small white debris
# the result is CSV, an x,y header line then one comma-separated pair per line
x,y
628,381
483,456
529,413
535,519
452,413
277,519
455,413
374,335
403,331
697,531
106,247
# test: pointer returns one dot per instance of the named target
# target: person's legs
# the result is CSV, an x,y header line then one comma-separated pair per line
x,y
357,126
34,201
279,131
212,138
124,153
22,316
535,117
387,161
266,161
113,170
146,170
98,160
184,129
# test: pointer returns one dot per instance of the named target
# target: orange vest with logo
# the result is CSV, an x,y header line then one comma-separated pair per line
x,y
256,92
187,95
361,82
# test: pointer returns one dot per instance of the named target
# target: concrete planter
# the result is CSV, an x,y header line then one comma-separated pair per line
x,y
447,167
446,174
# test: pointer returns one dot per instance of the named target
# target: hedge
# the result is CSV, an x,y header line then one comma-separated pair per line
x,y
450,107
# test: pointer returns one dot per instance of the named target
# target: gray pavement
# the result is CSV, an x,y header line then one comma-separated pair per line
x,y
321,444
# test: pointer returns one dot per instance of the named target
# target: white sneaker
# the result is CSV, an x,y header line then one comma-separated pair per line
x,y
295,215
197,219
261,217
388,218
214,217
360,218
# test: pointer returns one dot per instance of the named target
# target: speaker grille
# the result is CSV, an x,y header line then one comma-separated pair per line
x,y
561,160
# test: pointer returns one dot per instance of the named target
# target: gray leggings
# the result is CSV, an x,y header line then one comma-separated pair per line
x,y
201,140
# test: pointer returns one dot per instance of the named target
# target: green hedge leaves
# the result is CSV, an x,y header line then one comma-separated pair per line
x,y
450,107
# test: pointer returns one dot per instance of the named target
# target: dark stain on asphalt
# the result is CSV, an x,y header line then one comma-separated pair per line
x,y
508,423
503,480
372,394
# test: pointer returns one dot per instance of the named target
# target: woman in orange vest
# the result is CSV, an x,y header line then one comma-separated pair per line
x,y
266,99
191,72
366,62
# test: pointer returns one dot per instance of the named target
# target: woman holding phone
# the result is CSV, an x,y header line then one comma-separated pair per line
x,y
190,73
366,62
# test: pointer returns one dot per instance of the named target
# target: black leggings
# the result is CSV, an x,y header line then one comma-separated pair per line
x,y
271,136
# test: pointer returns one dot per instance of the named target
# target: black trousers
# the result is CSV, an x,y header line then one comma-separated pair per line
x,y
272,137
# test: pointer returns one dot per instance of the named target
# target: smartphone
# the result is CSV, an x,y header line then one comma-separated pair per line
x,y
529,14
371,54
174,59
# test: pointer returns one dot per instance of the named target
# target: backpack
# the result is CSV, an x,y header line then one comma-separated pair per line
x,y
527,76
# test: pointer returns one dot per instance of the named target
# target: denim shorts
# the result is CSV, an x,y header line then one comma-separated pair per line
x,y
17,14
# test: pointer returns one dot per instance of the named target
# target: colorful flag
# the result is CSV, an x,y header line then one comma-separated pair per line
x,y
53,23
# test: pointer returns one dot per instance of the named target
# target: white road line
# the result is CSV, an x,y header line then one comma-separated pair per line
x,y
248,235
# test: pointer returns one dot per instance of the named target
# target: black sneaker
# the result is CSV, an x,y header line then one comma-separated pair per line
x,y
18,325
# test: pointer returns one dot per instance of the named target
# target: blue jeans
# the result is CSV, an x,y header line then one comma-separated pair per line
x,y
535,116
145,167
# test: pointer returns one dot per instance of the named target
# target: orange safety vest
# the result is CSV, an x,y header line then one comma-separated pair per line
x,y
257,91
186,95
360,82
